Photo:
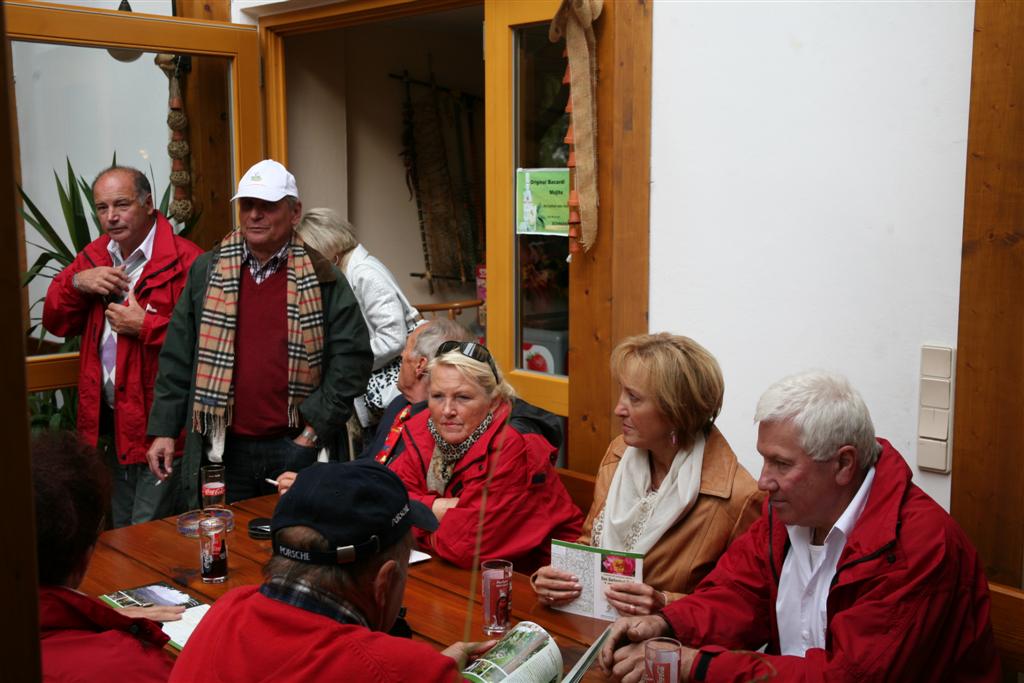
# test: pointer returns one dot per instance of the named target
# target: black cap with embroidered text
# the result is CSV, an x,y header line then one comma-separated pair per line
x,y
360,507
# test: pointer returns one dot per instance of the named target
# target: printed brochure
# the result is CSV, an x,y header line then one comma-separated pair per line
x,y
595,568
528,654
163,594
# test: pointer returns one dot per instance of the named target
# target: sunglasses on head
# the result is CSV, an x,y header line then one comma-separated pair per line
x,y
477,352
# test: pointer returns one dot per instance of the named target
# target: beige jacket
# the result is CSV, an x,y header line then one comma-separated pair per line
x,y
727,504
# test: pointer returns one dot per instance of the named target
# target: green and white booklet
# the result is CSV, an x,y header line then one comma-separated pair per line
x,y
528,654
595,568
163,594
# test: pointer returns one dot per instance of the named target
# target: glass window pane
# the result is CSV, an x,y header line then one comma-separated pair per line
x,y
542,288
81,106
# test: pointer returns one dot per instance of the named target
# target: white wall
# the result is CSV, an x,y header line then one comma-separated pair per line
x,y
808,165
317,141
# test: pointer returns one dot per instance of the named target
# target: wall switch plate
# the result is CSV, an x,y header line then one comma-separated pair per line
x,y
935,393
937,361
935,409
933,455
933,424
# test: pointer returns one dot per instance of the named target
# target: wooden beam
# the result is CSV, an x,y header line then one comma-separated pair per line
x,y
987,439
19,649
203,9
51,371
608,297
1008,626
354,12
207,90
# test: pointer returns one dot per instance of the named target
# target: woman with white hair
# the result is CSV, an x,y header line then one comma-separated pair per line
x,y
388,314
467,442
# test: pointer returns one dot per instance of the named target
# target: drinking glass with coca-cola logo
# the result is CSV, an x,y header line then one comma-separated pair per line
x,y
213,550
211,479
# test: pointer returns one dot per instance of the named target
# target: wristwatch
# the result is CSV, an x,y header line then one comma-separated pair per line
x,y
75,283
309,435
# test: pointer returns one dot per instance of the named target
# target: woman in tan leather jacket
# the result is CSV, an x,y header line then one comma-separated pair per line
x,y
670,487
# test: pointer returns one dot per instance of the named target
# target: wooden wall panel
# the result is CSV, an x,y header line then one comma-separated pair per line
x,y
206,102
609,284
988,439
19,649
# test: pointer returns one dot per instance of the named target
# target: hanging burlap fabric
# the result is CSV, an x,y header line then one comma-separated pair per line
x,y
575,22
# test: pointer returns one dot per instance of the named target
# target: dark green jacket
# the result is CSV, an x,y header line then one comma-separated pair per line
x,y
347,361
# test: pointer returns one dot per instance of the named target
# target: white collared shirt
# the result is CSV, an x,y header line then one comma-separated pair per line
x,y
801,606
115,255
146,248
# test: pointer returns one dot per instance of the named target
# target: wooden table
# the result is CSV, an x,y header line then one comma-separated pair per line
x,y
436,595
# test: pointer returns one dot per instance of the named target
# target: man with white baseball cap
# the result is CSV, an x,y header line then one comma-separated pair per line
x,y
265,351
341,538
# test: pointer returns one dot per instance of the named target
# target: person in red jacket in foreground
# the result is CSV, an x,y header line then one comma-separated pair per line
x,y
341,539
853,573
80,638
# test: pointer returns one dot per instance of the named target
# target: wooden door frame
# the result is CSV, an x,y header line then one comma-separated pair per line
x,y
609,284
988,442
20,650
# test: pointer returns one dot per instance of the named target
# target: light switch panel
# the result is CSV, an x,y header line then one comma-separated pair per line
x,y
937,361
933,424
935,393
933,455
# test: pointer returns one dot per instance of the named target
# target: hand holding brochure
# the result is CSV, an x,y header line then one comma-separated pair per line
x,y
528,654
595,568
163,594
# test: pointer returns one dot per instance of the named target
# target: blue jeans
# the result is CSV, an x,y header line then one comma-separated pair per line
x,y
248,462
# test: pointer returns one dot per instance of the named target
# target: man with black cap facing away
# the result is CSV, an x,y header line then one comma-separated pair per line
x,y
341,539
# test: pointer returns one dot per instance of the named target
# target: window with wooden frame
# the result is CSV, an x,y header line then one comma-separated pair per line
x,y
81,28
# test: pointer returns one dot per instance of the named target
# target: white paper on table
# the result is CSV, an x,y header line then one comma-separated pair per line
x,y
416,556
179,631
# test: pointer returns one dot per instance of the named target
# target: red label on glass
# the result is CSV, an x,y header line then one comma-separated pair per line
x,y
214,488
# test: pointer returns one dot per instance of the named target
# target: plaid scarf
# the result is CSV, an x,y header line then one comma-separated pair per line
x,y
214,397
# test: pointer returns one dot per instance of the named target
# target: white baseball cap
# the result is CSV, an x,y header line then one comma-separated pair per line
x,y
267,180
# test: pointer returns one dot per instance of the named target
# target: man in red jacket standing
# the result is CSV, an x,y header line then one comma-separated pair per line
x,y
852,573
118,295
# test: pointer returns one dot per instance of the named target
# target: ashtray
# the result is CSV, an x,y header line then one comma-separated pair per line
x,y
188,522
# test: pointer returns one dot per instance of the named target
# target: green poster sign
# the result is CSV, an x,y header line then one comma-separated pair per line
x,y
542,201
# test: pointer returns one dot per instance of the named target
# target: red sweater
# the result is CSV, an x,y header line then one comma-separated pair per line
x,y
84,640
249,637
261,356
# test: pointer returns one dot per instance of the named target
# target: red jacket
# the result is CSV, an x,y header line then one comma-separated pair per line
x,y
527,504
84,640
248,637
68,312
909,601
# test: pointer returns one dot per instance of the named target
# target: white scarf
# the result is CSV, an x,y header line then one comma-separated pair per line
x,y
631,516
